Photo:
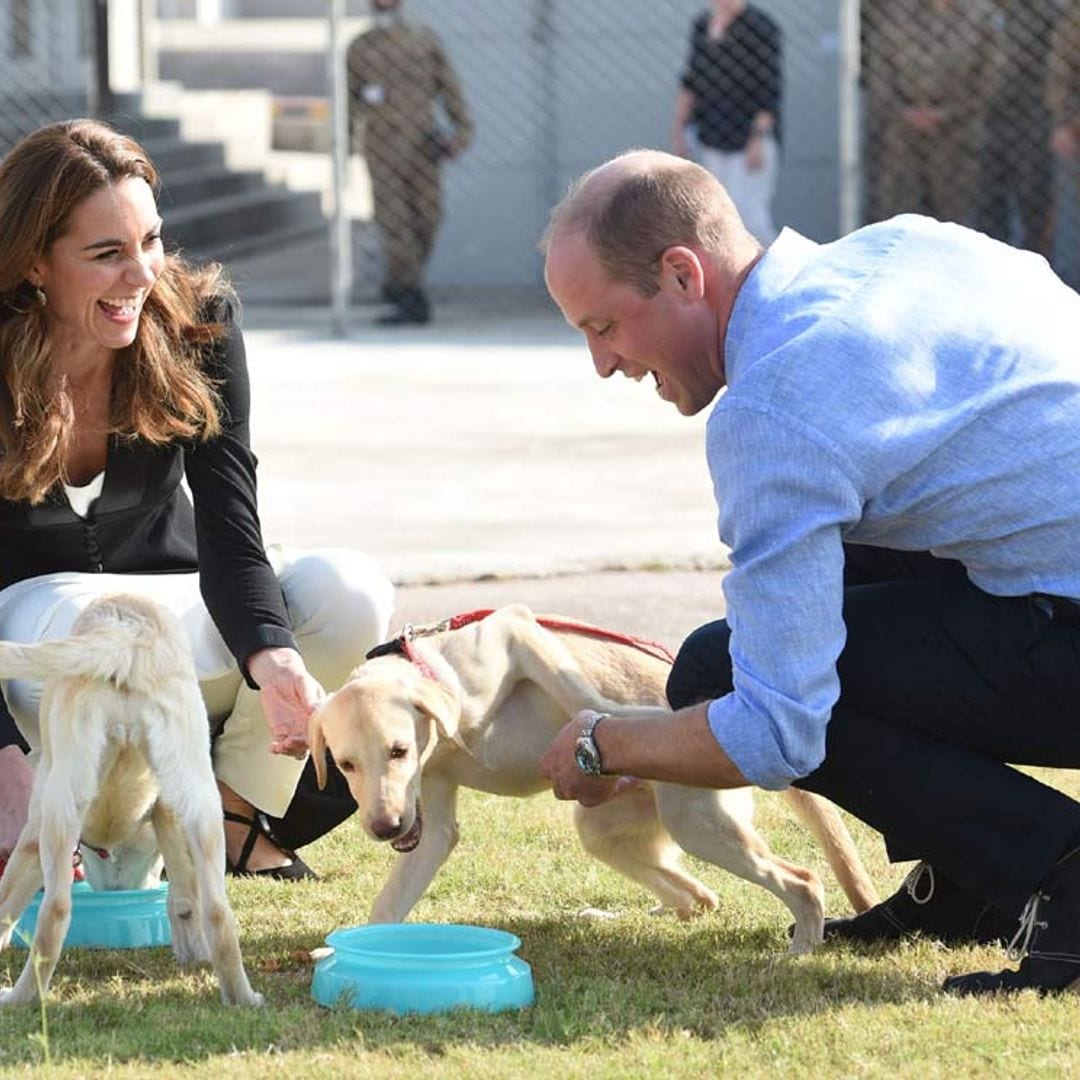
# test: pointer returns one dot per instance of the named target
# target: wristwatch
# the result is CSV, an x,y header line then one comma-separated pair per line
x,y
586,752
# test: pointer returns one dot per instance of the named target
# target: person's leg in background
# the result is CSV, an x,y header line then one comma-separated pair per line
x,y
952,172
16,779
900,171
941,684
388,167
751,190
1066,240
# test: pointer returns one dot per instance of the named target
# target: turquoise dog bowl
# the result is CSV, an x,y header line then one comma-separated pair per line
x,y
125,919
422,968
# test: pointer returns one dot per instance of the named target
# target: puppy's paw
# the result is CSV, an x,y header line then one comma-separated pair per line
x,y
249,998
10,997
595,913
189,946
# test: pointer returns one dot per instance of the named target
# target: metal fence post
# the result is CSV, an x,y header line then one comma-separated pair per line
x,y
848,119
340,228
103,95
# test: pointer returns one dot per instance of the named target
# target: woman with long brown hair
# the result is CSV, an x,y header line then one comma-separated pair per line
x,y
122,373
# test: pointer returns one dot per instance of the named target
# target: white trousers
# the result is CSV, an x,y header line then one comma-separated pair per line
x,y
751,191
339,604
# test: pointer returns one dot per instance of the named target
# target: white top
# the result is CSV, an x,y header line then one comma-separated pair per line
x,y
82,498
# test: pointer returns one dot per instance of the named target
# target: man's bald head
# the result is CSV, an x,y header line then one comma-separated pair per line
x,y
634,207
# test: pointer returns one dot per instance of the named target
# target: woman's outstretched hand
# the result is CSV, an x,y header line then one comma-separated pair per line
x,y
289,695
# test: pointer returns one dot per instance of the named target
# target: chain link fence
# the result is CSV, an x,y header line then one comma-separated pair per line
x,y
965,104
47,71
471,118
961,109
461,122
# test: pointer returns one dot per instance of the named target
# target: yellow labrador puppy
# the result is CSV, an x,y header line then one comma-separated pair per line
x,y
478,704
125,749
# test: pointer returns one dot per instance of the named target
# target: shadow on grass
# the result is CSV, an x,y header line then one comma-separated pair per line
x,y
594,980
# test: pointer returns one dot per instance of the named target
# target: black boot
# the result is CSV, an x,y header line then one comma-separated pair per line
x,y
930,904
413,309
1048,940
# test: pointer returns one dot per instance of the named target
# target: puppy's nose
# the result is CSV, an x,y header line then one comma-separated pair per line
x,y
386,828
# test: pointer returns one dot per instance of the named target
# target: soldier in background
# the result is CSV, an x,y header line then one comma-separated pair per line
x,y
1063,100
397,74
933,67
1017,164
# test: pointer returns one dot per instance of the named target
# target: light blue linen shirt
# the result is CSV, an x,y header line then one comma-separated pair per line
x,y
913,386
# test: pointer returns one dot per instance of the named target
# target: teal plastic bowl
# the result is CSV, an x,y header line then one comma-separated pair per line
x,y
125,919
422,968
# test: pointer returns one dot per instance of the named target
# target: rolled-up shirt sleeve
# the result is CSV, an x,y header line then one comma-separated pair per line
x,y
238,584
784,497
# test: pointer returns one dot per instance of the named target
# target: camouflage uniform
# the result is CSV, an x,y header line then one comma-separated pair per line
x,y
396,74
1063,77
921,54
1063,100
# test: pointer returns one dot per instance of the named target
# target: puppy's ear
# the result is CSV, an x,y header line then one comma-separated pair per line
x,y
317,743
435,701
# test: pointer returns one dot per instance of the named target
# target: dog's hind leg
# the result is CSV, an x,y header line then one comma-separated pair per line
x,y
59,834
187,788
627,834
185,913
22,878
717,826
207,842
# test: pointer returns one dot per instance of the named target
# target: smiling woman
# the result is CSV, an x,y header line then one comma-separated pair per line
x,y
122,373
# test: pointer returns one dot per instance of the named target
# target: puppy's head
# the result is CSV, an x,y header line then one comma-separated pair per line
x,y
381,728
134,863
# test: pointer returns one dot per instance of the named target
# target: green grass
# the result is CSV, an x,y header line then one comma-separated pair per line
x,y
635,997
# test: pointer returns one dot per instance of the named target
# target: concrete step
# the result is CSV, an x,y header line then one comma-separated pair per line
x,y
146,129
225,227
186,186
299,272
173,155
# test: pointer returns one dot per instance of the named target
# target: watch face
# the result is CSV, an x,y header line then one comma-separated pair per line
x,y
587,757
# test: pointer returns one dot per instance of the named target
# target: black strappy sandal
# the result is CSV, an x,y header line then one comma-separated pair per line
x,y
297,870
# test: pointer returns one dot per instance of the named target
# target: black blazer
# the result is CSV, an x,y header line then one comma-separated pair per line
x,y
143,521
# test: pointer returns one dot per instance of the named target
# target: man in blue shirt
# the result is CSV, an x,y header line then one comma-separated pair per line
x,y
896,464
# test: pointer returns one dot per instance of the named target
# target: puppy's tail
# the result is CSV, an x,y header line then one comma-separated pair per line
x,y
106,652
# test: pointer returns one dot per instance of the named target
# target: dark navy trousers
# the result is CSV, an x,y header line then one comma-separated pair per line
x,y
943,688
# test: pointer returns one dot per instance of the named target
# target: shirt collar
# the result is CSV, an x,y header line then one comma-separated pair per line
x,y
775,270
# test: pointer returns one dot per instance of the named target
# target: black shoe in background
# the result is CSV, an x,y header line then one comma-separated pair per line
x,y
412,309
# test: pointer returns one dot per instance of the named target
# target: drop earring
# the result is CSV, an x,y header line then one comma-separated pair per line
x,y
28,298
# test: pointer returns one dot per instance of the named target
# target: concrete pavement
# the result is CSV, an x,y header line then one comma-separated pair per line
x,y
482,445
